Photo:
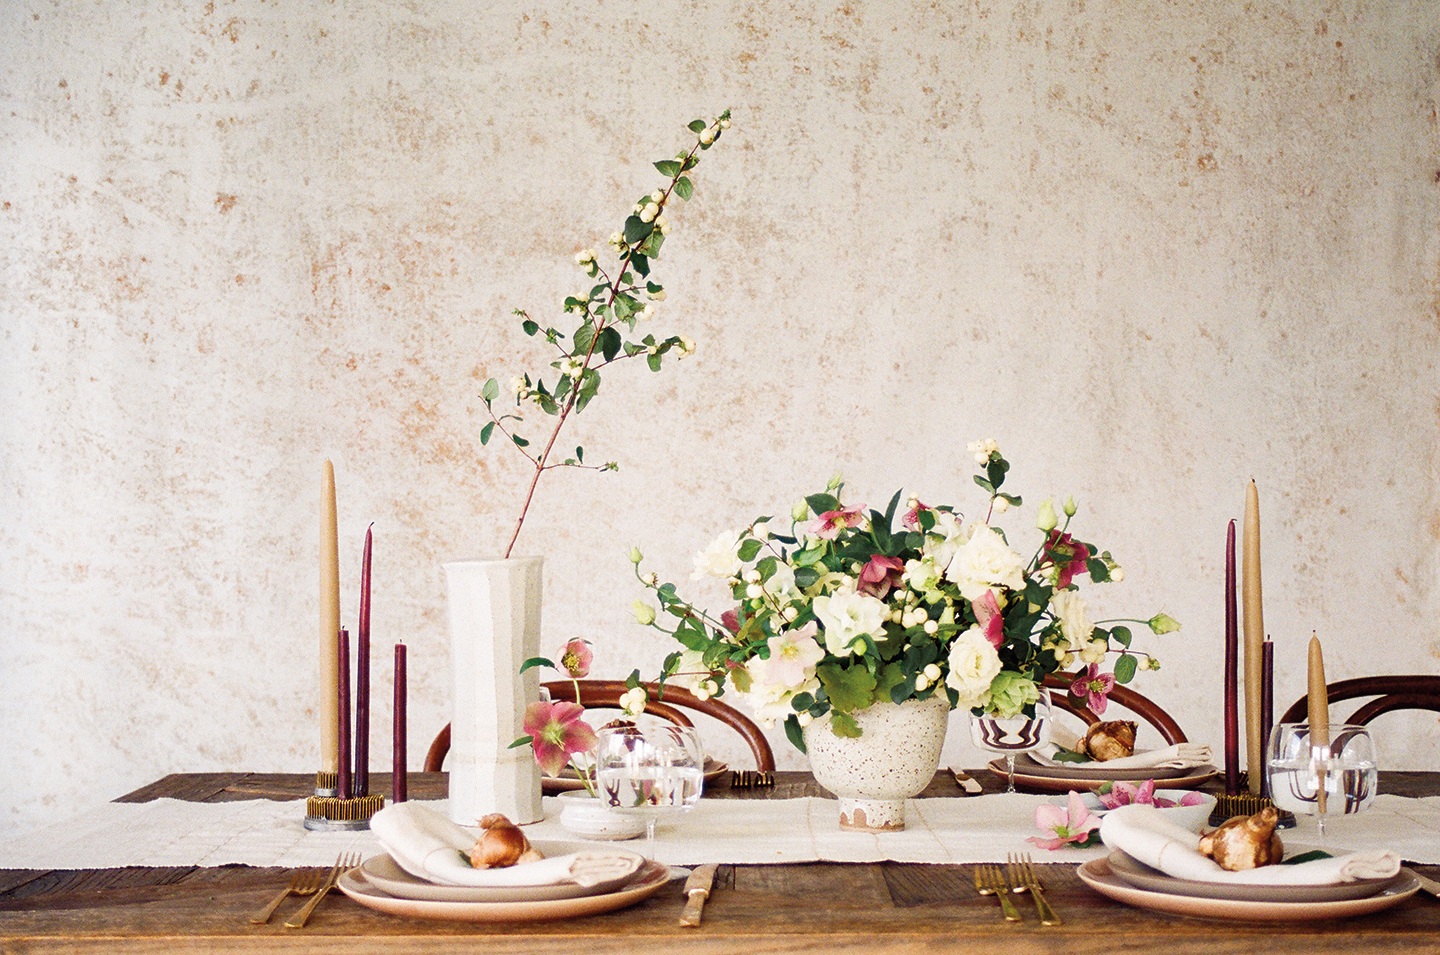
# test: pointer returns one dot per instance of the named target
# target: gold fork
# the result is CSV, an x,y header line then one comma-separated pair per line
x,y
1023,878
344,862
303,882
989,882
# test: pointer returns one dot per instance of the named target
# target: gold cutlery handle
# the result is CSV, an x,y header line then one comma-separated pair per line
x,y
299,919
1012,914
1047,914
263,916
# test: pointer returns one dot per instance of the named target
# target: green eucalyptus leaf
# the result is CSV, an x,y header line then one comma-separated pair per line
x,y
610,342
486,431
636,230
749,549
491,391
532,327
1125,668
584,335
641,264
668,167
683,188
654,362
794,734
697,126
1122,635
519,441
986,485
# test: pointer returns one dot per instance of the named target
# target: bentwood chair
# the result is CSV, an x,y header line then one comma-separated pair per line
x,y
1397,692
605,694
1141,706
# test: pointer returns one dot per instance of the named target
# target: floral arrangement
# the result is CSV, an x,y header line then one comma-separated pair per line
x,y
1074,825
839,608
609,311
556,731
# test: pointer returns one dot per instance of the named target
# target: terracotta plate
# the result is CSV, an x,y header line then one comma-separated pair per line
x,y
1099,876
1033,776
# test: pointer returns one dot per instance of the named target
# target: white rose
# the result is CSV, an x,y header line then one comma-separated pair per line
x,y
985,561
720,559
1069,609
846,616
973,664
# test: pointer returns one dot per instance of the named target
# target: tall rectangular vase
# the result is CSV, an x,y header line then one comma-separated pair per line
x,y
494,610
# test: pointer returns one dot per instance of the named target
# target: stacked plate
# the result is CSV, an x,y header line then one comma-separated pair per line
x,y
1034,775
1124,879
508,895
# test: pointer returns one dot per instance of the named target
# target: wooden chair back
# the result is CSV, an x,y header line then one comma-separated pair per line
x,y
1141,706
1394,692
605,694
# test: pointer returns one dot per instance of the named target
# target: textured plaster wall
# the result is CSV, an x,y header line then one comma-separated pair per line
x,y
1155,249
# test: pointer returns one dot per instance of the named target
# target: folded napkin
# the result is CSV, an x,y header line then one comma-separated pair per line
x,y
1179,756
1144,833
431,847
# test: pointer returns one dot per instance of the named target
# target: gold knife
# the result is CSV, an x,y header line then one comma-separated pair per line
x,y
1429,885
965,781
697,890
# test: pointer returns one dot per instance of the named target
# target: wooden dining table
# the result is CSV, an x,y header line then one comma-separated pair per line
x,y
814,907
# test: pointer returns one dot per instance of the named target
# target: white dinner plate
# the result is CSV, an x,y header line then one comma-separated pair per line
x,y
1129,869
1099,876
385,874
1035,776
354,884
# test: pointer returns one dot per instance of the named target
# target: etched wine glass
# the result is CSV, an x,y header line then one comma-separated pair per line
x,y
1022,733
1318,778
650,767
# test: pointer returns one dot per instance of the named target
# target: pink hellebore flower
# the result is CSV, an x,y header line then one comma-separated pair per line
x,y
557,732
1071,825
576,657
911,520
1068,555
1093,687
792,655
879,575
731,620
829,525
987,615
1124,794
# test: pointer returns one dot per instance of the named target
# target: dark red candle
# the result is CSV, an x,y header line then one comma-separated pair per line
x,y
397,768
1267,703
362,679
1232,671
344,783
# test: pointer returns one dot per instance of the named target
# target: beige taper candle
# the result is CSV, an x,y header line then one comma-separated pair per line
x,y
329,626
1254,630
1318,712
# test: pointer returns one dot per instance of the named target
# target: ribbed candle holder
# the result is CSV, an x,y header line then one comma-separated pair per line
x,y
327,784
1246,804
331,814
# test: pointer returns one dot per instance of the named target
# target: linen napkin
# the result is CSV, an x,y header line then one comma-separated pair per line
x,y
431,847
1144,833
1178,756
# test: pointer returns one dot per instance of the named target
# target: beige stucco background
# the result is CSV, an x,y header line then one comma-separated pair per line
x,y
1155,249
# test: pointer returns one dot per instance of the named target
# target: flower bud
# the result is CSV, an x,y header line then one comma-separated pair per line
x,y
644,613
1163,623
800,511
1070,507
1045,518
635,555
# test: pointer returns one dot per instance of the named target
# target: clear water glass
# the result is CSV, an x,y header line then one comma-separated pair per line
x,y
1014,735
649,767
1320,780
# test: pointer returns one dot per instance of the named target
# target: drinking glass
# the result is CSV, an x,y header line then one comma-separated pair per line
x,y
1017,734
1314,779
650,767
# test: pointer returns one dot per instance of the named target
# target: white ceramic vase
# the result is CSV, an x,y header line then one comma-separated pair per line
x,y
494,610
894,757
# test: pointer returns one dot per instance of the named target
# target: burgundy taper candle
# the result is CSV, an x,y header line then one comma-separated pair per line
x,y
1232,671
1267,705
344,784
397,732
362,678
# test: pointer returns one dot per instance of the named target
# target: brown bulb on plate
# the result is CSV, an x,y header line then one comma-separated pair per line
x,y
1109,740
501,845
1245,842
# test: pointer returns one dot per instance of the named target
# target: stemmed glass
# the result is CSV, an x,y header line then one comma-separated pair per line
x,y
650,767
1313,778
1017,734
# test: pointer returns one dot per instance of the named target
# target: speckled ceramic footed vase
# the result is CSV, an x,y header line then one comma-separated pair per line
x,y
894,758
